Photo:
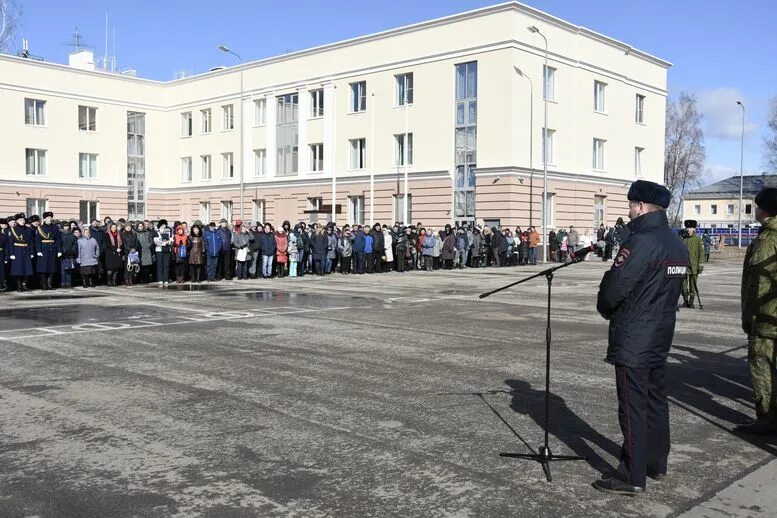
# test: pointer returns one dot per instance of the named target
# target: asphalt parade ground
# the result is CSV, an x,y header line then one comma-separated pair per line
x,y
373,395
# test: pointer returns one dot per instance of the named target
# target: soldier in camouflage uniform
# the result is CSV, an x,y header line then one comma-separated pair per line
x,y
759,314
696,255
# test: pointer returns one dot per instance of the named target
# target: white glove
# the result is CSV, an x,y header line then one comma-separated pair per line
x,y
13,257
59,254
40,254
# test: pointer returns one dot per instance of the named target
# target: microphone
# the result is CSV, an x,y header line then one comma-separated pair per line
x,y
579,255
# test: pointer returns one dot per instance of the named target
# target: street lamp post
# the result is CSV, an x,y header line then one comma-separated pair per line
x,y
741,174
406,153
535,30
226,50
531,145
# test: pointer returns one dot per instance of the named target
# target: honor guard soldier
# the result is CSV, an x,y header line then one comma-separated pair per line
x,y
759,315
695,257
48,248
638,295
3,258
19,253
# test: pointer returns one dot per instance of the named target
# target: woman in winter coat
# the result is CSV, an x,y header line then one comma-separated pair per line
x,y
114,252
429,244
131,248
196,252
448,249
181,251
281,251
388,239
146,241
267,246
163,244
345,251
241,240
88,257
293,254
477,247
331,249
69,237
437,252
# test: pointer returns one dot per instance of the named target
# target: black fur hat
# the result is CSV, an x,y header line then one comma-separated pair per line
x,y
690,223
767,200
650,192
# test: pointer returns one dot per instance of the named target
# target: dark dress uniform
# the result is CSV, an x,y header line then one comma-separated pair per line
x,y
3,255
48,247
19,253
638,295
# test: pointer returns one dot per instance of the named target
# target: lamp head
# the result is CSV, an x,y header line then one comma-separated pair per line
x,y
740,104
518,71
533,28
223,48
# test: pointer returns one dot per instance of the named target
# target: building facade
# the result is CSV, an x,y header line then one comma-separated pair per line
x,y
449,112
716,206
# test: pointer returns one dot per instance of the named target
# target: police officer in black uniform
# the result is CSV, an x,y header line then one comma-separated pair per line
x,y
638,295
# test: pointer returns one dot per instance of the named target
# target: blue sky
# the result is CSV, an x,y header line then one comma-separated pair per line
x,y
722,51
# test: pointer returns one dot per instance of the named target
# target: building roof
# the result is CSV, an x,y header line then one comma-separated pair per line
x,y
729,187
511,5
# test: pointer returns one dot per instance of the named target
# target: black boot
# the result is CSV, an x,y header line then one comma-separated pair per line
x,y
19,285
48,283
42,281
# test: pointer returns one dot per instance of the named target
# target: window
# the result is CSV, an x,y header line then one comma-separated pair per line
x,y
359,96
258,211
599,214
317,157
87,211
87,118
465,138
206,121
358,153
730,209
226,210
136,165
287,135
550,200
205,167
400,149
598,164
697,210
34,112
186,169
599,89
317,103
37,205
205,211
314,207
36,162
549,82
639,115
87,165
356,210
186,124
228,119
404,89
260,112
227,166
638,153
713,209
260,162
748,209
399,208
547,151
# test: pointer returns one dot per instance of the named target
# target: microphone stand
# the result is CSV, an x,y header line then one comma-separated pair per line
x,y
544,455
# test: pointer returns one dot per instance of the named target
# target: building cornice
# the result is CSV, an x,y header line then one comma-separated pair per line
x,y
38,184
525,172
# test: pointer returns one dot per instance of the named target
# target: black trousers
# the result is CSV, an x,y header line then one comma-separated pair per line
x,y
225,265
345,264
643,414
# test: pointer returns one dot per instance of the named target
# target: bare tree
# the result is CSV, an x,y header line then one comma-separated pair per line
x,y
684,152
770,140
9,22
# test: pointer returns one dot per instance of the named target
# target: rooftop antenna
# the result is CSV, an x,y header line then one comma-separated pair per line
x,y
113,60
105,56
77,41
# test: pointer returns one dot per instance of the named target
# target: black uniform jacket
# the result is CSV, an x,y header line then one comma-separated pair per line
x,y
638,295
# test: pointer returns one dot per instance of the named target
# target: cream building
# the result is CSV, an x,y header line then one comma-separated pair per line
x,y
331,122
716,206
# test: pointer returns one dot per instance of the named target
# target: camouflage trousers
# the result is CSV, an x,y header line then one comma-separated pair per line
x,y
763,375
689,288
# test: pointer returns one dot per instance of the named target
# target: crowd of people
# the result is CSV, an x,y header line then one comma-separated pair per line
x,y
41,252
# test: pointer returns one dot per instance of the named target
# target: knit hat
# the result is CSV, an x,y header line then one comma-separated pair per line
x,y
161,222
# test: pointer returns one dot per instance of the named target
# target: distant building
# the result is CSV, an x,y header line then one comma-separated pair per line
x,y
446,102
717,205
